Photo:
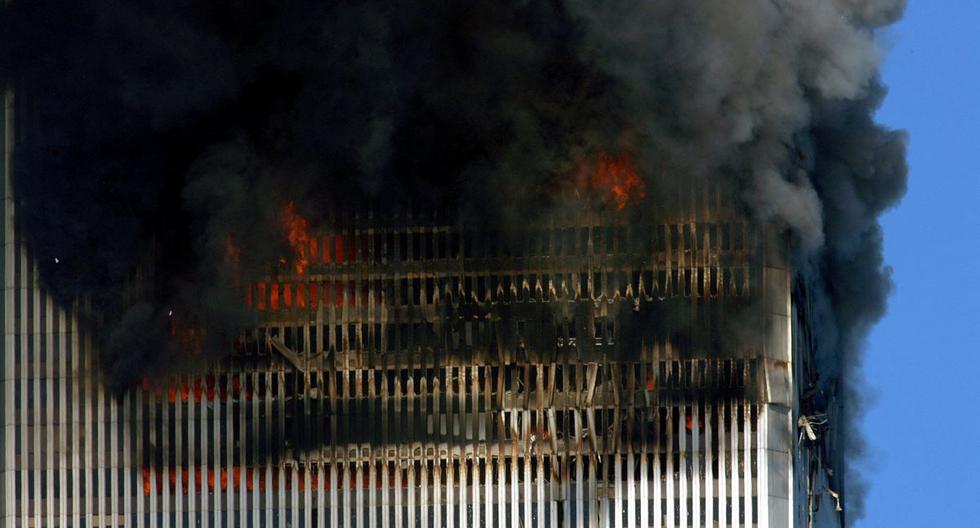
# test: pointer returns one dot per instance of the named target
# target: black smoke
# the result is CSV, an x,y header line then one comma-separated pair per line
x,y
159,130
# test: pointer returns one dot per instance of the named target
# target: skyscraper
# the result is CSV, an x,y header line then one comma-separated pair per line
x,y
405,370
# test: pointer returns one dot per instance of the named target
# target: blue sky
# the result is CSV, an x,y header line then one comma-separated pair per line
x,y
924,360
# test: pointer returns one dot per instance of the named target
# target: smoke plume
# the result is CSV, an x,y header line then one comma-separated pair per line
x,y
162,132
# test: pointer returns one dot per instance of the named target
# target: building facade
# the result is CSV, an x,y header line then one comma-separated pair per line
x,y
416,374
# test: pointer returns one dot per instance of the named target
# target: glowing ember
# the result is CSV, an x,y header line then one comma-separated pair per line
x,y
618,178
297,232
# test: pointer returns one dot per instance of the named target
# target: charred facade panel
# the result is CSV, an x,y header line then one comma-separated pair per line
x,y
416,370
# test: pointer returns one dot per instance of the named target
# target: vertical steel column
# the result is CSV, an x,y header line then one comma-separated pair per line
x,y
513,487
98,394
762,450
246,490
451,458
409,459
747,460
386,501
88,389
336,476
644,488
294,474
524,501
64,420
279,467
164,446
34,336
461,444
579,505
616,503
193,512
359,485
437,429
682,459
671,481
51,422
25,369
274,503
658,478
501,446
631,481
709,480
321,471
140,457
11,377
207,451
734,464
724,510
372,482
216,450
696,478
474,440
540,501
486,436
154,448
179,426
112,431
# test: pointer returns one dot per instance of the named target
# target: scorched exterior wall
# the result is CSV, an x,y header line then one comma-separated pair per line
x,y
423,407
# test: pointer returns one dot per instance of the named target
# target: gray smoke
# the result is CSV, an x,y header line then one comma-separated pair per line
x,y
165,128
780,96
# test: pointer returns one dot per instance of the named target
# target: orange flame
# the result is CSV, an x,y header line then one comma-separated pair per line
x,y
618,178
297,232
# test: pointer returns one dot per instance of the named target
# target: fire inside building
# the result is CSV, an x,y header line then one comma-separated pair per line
x,y
406,370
